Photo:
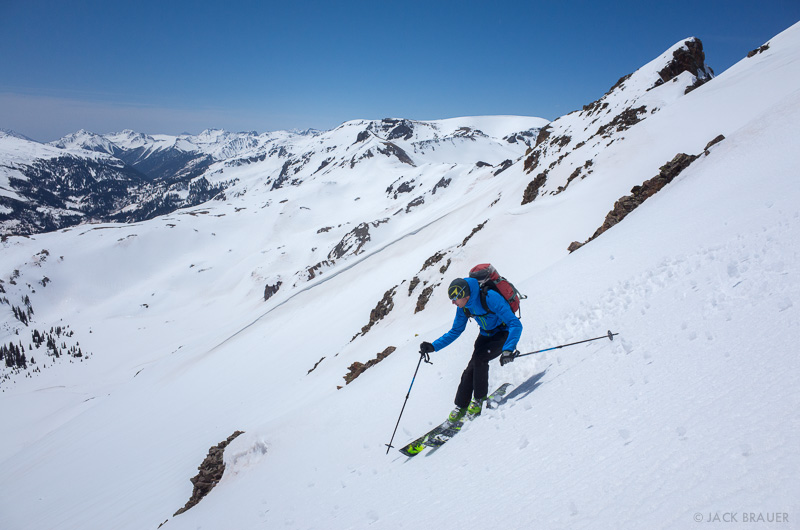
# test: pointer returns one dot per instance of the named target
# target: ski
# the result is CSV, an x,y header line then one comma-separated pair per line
x,y
413,448
440,434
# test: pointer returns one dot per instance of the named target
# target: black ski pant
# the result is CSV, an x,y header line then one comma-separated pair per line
x,y
475,379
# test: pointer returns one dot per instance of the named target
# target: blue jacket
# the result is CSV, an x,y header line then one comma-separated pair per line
x,y
499,318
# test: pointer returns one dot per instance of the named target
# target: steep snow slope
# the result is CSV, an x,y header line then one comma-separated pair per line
x,y
690,411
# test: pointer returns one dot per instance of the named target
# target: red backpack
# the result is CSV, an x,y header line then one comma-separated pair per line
x,y
488,278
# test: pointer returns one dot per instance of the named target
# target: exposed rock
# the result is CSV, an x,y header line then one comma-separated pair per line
x,y
393,129
424,296
505,164
404,187
474,231
413,284
384,307
532,191
688,58
352,242
639,194
391,149
414,203
324,164
436,258
314,269
211,471
600,105
544,133
354,160
362,136
618,84
315,365
575,174
758,50
532,161
623,121
443,183
561,141
575,245
715,141
357,368
270,290
526,137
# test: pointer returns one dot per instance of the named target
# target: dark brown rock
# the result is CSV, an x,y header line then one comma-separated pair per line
x,y
532,191
474,231
639,194
357,368
424,297
688,58
270,290
384,307
758,50
715,141
210,473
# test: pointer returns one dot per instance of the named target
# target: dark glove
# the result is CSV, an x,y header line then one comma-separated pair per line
x,y
507,357
426,347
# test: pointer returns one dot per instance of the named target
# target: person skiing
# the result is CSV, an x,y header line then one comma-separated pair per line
x,y
500,330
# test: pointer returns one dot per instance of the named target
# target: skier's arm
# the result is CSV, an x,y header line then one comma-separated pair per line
x,y
500,307
459,324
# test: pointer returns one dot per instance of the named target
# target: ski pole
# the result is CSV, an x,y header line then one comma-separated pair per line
x,y
422,356
609,336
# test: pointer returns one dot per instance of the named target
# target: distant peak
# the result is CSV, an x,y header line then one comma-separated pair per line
x,y
14,134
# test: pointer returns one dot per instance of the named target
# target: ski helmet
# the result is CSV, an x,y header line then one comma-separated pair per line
x,y
459,288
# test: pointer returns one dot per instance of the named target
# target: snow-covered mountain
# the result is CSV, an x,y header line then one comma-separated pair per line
x,y
281,322
142,176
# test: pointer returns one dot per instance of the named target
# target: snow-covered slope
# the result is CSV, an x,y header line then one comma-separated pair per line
x,y
688,414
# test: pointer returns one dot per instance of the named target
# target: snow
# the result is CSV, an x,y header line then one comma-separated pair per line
x,y
690,411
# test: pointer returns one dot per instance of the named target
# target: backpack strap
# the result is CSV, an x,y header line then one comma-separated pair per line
x,y
484,305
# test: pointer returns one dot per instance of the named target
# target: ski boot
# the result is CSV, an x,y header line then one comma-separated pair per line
x,y
457,415
475,408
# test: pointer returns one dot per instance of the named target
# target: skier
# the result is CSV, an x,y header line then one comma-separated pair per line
x,y
500,330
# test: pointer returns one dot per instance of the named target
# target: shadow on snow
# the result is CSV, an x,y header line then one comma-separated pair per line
x,y
527,387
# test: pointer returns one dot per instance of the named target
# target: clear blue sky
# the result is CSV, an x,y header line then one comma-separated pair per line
x,y
173,66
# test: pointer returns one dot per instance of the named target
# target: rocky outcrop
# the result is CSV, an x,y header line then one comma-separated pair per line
x,y
713,142
639,194
505,164
442,184
352,242
393,129
211,471
532,190
474,231
424,297
433,260
688,58
357,368
758,50
270,290
384,307
622,121
315,365
390,149
575,174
